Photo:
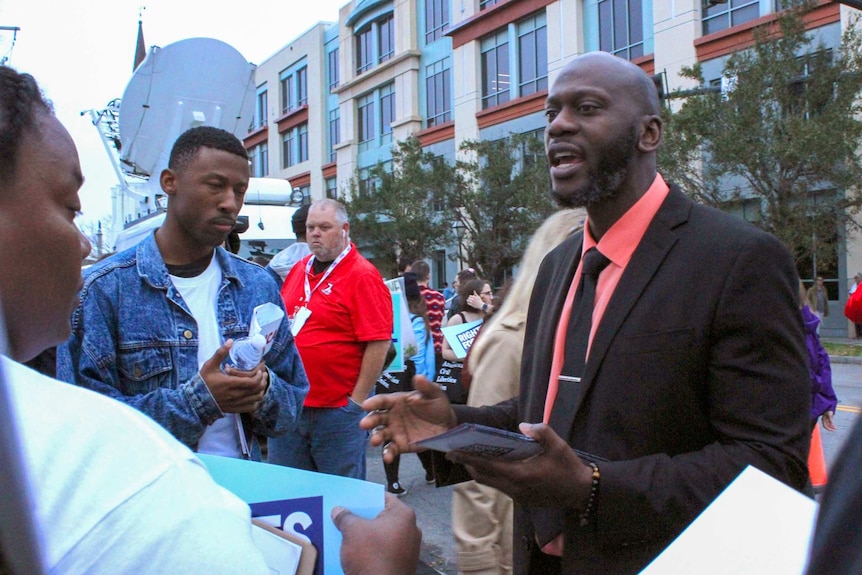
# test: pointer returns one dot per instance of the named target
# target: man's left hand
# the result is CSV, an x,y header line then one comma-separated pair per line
x,y
556,477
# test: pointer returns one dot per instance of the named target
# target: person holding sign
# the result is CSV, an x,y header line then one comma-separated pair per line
x,y
342,321
101,487
459,334
470,312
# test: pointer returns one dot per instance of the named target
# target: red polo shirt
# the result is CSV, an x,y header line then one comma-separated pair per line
x,y
351,307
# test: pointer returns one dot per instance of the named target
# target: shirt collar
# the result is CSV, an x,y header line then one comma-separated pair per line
x,y
620,241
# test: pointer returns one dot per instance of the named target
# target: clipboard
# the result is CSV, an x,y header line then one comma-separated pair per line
x,y
308,554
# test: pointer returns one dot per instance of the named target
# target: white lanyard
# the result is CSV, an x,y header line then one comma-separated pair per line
x,y
308,290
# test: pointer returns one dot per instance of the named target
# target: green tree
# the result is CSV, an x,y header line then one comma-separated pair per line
x,y
398,210
503,199
786,136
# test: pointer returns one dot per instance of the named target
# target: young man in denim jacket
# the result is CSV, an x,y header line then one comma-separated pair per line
x,y
156,321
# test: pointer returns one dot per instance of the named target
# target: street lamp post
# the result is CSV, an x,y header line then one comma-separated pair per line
x,y
459,227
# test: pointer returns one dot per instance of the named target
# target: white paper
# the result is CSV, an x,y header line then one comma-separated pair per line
x,y
266,319
757,525
281,556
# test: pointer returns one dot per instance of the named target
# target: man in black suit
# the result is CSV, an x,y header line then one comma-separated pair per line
x,y
696,365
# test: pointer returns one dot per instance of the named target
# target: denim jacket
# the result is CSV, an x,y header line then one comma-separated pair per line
x,y
134,339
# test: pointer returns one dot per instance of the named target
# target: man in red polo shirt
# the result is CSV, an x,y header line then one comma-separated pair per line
x,y
341,314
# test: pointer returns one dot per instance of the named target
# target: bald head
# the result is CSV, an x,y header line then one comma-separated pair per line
x,y
603,132
618,74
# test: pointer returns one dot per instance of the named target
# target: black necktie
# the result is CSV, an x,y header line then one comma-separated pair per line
x,y
577,340
548,522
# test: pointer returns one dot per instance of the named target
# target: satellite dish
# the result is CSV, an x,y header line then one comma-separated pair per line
x,y
193,82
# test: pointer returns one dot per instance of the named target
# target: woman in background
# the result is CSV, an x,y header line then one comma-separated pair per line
x,y
823,398
481,515
469,313
421,362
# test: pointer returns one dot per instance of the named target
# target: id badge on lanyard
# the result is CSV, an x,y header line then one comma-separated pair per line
x,y
302,315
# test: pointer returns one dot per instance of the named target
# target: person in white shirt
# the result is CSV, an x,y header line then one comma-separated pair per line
x,y
111,491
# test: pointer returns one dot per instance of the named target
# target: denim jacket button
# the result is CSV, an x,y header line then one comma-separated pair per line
x,y
188,334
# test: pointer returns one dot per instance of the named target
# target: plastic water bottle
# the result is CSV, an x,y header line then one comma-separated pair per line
x,y
247,352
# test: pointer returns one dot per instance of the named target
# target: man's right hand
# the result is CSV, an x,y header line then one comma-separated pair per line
x,y
236,391
402,418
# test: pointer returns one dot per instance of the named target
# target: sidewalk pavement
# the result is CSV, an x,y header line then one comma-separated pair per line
x,y
433,507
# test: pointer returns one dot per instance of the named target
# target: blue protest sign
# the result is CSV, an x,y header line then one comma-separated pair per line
x,y
298,501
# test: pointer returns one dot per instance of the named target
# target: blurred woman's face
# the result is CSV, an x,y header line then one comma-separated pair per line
x,y
487,294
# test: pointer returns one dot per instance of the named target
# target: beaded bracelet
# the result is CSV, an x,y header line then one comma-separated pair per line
x,y
584,518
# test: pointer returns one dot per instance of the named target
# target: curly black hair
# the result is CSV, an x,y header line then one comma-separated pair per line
x,y
190,141
21,101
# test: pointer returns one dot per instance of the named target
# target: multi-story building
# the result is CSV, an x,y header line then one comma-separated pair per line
x,y
334,100
291,113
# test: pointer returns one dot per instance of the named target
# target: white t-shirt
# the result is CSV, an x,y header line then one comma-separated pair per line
x,y
116,493
201,295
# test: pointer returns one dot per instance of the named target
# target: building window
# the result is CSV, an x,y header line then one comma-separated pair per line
x,y
621,28
367,184
533,55
438,93
375,113
531,150
302,87
386,42
495,70
260,110
438,197
288,148
306,194
334,132
721,15
286,95
515,61
302,141
364,50
294,89
375,43
333,70
436,19
365,116
259,156
331,188
804,101
387,110
294,146
484,4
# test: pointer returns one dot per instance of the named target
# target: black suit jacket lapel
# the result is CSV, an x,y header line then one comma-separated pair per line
x,y
644,264
546,304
